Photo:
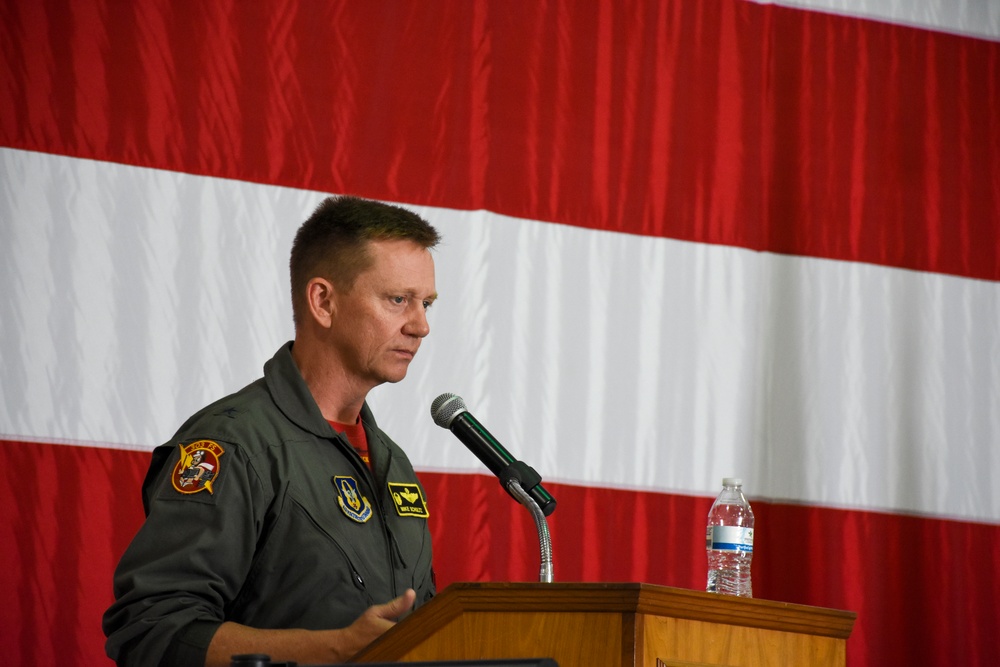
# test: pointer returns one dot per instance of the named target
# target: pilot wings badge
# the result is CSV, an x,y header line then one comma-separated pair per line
x,y
408,499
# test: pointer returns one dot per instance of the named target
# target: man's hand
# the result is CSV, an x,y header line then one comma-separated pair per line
x,y
375,621
316,646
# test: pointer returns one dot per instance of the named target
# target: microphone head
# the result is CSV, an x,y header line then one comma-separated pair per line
x,y
445,408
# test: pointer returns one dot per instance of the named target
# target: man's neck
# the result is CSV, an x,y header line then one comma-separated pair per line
x,y
337,395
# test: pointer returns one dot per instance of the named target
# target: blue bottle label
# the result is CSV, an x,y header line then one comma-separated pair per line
x,y
729,538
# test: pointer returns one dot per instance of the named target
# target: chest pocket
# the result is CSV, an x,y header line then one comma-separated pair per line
x,y
302,576
341,509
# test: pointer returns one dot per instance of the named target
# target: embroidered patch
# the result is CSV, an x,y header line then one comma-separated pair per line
x,y
198,467
352,503
408,499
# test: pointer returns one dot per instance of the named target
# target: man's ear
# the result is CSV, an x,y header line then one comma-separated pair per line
x,y
321,301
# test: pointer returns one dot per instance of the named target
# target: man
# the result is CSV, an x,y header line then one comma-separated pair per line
x,y
310,539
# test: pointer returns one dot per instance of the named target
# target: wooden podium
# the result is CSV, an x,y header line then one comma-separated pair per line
x,y
605,625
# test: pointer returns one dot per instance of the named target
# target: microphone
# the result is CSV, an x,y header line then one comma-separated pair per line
x,y
449,411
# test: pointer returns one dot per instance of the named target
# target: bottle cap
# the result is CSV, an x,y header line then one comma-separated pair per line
x,y
732,481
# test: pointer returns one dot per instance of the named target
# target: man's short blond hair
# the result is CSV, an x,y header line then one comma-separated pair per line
x,y
333,242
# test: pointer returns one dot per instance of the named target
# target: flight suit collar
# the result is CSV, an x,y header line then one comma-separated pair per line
x,y
292,395
296,402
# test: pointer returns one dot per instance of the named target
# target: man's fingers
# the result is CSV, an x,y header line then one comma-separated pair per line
x,y
395,608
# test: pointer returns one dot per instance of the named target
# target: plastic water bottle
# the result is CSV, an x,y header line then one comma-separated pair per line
x,y
729,541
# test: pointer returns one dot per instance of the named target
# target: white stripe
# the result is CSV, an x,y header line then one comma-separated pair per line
x,y
131,297
975,18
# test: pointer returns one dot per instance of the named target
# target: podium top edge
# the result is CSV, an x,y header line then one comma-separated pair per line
x,y
641,598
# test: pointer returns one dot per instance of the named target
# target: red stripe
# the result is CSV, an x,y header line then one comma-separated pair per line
x,y
925,589
723,122
71,511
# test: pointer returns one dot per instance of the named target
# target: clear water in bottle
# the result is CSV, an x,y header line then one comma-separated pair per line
x,y
729,541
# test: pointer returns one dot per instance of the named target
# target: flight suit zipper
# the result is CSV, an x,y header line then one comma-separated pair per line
x,y
368,475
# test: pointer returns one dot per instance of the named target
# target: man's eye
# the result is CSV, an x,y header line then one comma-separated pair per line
x,y
399,299
428,304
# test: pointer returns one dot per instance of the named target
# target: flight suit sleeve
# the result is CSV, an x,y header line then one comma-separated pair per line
x,y
190,557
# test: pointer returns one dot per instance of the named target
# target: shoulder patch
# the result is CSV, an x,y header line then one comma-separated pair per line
x,y
354,505
198,467
408,499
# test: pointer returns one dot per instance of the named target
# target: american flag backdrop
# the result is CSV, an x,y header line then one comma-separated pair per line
x,y
682,240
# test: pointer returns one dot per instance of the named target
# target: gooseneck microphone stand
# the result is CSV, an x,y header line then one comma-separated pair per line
x,y
544,539
514,478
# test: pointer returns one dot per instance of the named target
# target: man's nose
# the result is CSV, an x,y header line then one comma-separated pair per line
x,y
417,324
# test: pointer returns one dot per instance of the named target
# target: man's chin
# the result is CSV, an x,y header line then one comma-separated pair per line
x,y
394,377
393,371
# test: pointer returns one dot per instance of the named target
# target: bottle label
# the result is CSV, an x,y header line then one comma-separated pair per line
x,y
729,538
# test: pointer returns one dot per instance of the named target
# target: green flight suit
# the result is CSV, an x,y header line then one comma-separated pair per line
x,y
281,526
